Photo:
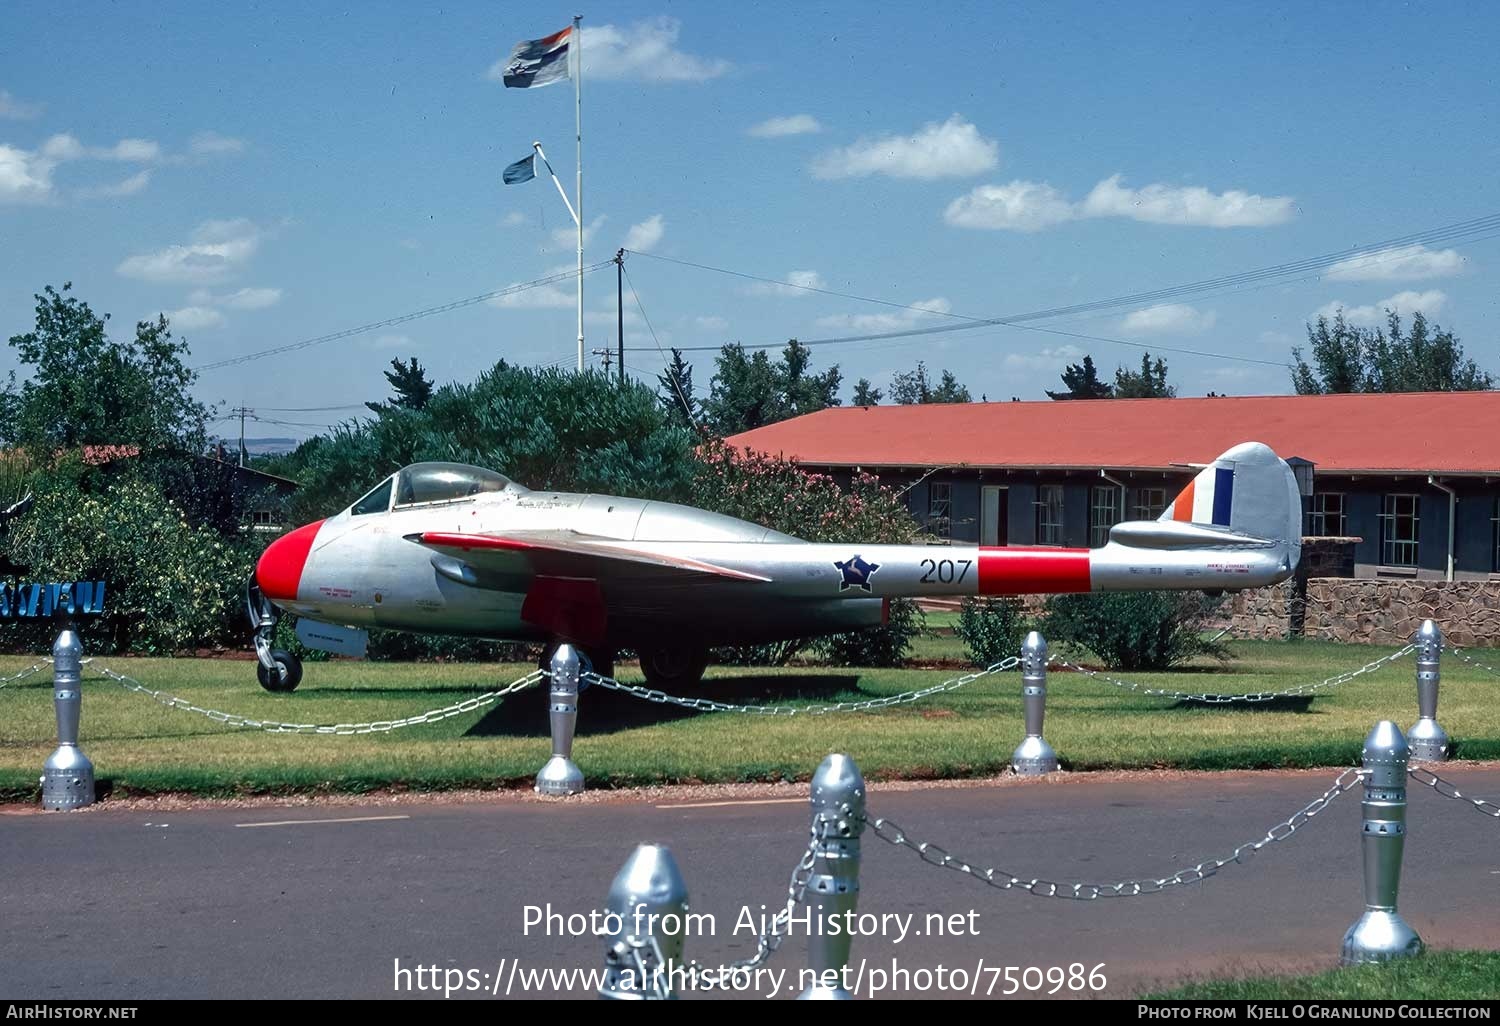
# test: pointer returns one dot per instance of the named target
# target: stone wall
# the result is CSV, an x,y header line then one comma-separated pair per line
x,y
1382,612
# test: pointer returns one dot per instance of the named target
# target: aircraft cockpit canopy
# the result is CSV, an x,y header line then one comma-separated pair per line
x,y
425,483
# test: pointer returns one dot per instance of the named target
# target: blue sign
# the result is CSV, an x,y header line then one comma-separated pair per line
x,y
40,601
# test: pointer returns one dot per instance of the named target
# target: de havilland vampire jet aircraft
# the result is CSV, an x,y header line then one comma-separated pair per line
x,y
443,548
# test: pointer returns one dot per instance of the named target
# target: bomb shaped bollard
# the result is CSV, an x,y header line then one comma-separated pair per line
x,y
1381,935
1034,756
645,922
67,776
560,776
1428,740
838,820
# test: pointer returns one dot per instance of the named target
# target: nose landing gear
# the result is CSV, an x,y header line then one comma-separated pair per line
x,y
278,669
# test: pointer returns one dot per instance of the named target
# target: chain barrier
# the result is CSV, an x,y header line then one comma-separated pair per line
x,y
33,668
1464,655
375,727
1295,691
894,835
1423,775
709,705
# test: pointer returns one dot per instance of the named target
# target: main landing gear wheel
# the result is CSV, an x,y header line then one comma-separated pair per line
x,y
670,667
288,673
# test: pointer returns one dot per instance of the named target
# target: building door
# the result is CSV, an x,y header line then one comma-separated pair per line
x,y
994,519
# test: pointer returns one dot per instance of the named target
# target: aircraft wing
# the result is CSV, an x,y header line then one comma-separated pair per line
x,y
565,554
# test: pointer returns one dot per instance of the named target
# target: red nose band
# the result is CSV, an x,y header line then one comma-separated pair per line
x,y
279,571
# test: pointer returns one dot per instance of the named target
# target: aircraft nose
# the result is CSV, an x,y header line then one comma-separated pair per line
x,y
279,571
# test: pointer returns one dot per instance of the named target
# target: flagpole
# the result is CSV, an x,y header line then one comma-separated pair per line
x,y
578,127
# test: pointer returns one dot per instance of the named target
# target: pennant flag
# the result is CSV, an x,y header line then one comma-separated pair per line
x,y
523,170
539,62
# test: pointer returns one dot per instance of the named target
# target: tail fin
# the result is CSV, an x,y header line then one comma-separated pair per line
x,y
1250,491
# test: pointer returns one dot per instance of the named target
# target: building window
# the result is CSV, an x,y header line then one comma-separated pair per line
x,y
1398,530
1049,515
1325,516
940,508
1104,513
1147,503
1495,522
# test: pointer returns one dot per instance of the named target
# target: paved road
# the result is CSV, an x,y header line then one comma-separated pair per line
x,y
322,901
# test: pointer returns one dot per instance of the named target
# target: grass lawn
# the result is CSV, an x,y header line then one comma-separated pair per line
x,y
1437,975
138,746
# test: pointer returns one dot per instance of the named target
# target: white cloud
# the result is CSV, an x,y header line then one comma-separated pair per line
x,y
713,322
792,124
1407,303
645,52
646,235
562,296
63,147
242,299
1031,206
128,187
1168,319
1047,360
893,321
391,342
1019,207
1188,205
217,250
948,149
1403,263
515,217
192,318
25,176
132,151
797,284
17,110
212,144
567,237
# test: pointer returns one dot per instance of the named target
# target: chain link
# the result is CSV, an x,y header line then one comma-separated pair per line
x,y
1464,655
709,705
893,834
33,668
1295,691
376,727
1423,775
768,942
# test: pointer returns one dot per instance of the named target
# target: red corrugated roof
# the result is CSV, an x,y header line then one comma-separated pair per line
x,y
1424,432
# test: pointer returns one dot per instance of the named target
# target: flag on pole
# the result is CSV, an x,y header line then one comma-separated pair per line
x,y
539,62
523,170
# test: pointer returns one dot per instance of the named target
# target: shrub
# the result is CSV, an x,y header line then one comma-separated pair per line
x,y
992,629
885,645
1144,630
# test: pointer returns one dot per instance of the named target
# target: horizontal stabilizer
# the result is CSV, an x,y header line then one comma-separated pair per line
x,y
1171,534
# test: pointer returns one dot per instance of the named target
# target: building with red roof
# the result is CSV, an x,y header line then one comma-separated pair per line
x,y
1415,477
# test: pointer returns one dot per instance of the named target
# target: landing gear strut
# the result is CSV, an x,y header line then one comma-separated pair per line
x,y
278,669
670,667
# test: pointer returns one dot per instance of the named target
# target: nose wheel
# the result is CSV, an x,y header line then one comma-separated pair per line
x,y
670,667
278,669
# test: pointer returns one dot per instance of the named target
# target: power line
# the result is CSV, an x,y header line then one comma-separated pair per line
x,y
687,407
1472,230
457,304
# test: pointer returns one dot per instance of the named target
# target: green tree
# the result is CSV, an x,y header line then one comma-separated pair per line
x,y
676,393
85,388
914,387
1351,359
1148,383
866,394
547,429
1083,382
411,385
749,391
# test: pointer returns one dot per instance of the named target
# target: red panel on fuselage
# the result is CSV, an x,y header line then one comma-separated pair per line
x,y
279,572
1018,570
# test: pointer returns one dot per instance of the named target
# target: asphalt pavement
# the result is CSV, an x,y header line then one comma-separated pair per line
x,y
334,901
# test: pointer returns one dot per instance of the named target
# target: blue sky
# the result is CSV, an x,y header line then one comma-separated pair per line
x,y
266,173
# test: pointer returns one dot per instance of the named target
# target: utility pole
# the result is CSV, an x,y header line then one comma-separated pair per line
x,y
605,354
620,306
243,412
